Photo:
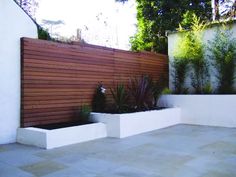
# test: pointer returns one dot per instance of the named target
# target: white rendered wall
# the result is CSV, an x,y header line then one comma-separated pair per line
x,y
14,24
208,35
211,110
124,125
141,122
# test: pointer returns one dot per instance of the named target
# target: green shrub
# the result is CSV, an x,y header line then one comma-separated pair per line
x,y
166,91
180,63
43,34
99,99
84,113
120,97
223,55
207,89
157,88
199,65
179,74
190,51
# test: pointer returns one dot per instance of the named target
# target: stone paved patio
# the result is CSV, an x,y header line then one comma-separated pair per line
x,y
178,151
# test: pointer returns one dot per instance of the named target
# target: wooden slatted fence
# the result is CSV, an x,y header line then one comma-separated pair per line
x,y
58,78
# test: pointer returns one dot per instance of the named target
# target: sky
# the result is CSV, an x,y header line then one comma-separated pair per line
x,y
225,4
102,22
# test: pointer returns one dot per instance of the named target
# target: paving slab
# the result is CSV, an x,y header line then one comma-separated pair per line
x,y
7,170
2,149
18,158
43,168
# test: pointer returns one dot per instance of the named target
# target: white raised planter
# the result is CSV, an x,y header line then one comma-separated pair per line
x,y
211,110
60,137
123,125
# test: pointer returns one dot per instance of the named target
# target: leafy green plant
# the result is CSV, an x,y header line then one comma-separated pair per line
x,y
207,89
141,92
187,20
200,75
99,99
84,113
181,62
120,97
199,65
43,34
190,49
223,55
157,88
166,91
179,74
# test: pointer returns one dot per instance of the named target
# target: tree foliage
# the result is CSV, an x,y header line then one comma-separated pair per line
x,y
157,16
29,6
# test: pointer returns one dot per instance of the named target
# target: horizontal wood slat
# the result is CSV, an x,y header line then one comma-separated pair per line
x,y
57,78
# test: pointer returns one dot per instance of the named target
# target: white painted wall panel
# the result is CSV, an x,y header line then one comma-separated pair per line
x,y
14,24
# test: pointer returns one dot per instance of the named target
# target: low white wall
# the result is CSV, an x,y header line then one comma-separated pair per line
x,y
141,122
112,122
208,35
124,125
14,24
212,110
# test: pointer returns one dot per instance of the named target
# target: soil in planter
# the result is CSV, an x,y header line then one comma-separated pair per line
x,y
62,125
111,111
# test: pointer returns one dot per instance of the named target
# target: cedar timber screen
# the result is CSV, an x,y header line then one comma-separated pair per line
x,y
58,78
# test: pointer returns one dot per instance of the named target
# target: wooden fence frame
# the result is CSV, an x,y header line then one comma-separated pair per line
x,y
57,78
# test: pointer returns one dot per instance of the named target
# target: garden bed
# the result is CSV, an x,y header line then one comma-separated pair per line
x,y
128,124
61,136
62,125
